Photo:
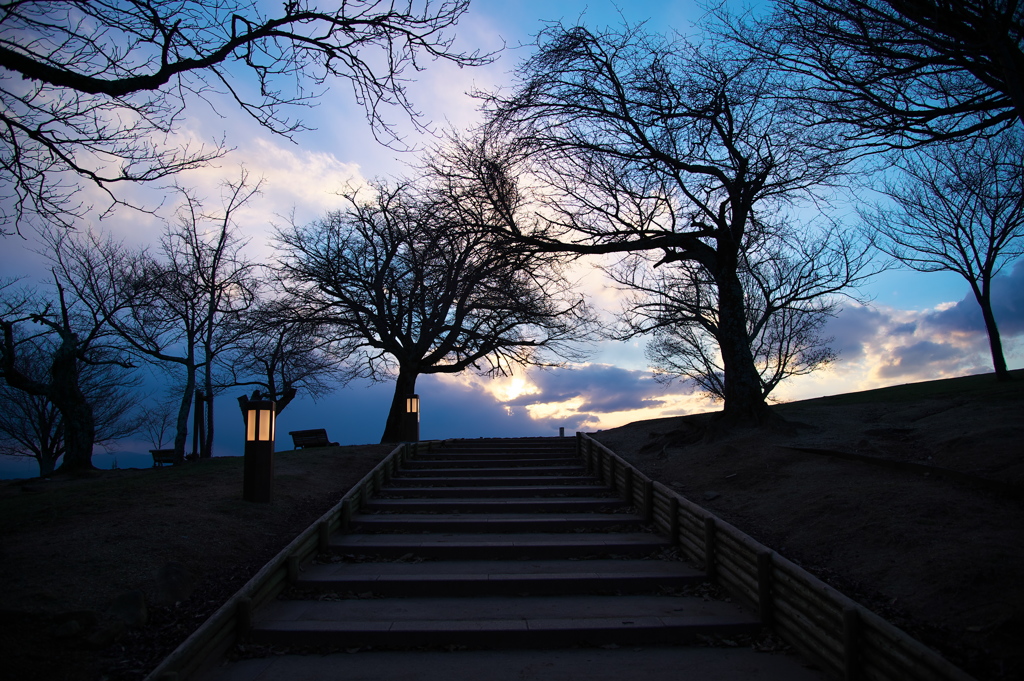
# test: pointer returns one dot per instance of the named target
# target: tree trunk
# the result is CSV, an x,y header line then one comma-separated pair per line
x,y
405,385
46,466
63,391
206,447
744,402
181,431
79,437
76,412
984,299
284,400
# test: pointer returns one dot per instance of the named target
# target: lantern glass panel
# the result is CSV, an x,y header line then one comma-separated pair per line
x,y
265,426
250,425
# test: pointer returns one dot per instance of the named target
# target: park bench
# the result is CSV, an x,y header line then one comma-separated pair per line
x,y
162,456
317,437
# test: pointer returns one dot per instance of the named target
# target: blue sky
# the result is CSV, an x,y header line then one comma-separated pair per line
x,y
916,327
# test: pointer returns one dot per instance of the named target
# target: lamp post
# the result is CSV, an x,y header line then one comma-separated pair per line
x,y
258,467
412,418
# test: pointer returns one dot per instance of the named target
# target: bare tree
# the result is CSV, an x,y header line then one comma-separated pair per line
x,y
409,288
900,72
91,91
282,354
32,425
640,144
156,422
49,362
177,307
787,302
958,208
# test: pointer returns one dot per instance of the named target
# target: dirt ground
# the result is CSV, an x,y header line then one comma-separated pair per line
x,y
908,499
72,549
923,522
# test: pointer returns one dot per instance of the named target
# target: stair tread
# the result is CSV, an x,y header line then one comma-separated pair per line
x,y
500,569
484,501
496,517
596,539
498,480
517,611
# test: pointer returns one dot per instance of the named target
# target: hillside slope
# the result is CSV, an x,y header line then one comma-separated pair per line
x,y
909,499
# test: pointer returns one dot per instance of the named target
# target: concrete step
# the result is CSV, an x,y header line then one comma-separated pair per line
x,y
481,492
506,445
486,504
446,455
533,471
497,522
496,577
650,663
489,462
497,621
426,479
508,546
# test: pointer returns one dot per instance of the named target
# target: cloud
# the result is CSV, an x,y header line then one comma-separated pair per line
x,y
852,328
879,345
581,397
597,387
912,360
1007,307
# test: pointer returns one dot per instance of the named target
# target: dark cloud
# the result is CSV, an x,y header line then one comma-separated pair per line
x,y
356,414
854,326
603,388
1007,306
451,409
912,359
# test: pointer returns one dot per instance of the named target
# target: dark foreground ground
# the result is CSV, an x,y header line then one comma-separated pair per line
x,y
924,523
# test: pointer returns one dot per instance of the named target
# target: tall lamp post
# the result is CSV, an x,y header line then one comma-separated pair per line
x,y
258,467
412,418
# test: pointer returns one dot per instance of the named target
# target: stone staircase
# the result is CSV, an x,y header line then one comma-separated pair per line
x,y
496,544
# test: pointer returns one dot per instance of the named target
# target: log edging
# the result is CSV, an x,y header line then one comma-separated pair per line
x,y
228,623
847,640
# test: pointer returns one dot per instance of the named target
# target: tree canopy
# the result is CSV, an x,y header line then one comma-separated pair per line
x,y
406,285
95,91
689,153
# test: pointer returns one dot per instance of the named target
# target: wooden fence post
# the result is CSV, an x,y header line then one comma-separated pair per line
x,y
851,643
346,515
673,519
648,500
764,586
323,536
709,546
243,616
292,566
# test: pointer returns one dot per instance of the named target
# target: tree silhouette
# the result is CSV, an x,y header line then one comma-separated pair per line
x,y
74,338
785,302
95,92
899,72
687,153
407,285
958,208
177,306
280,353
32,425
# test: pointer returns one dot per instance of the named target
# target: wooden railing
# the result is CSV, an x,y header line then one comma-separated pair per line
x,y
844,638
234,618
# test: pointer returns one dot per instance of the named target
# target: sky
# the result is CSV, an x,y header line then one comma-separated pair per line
x,y
913,327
